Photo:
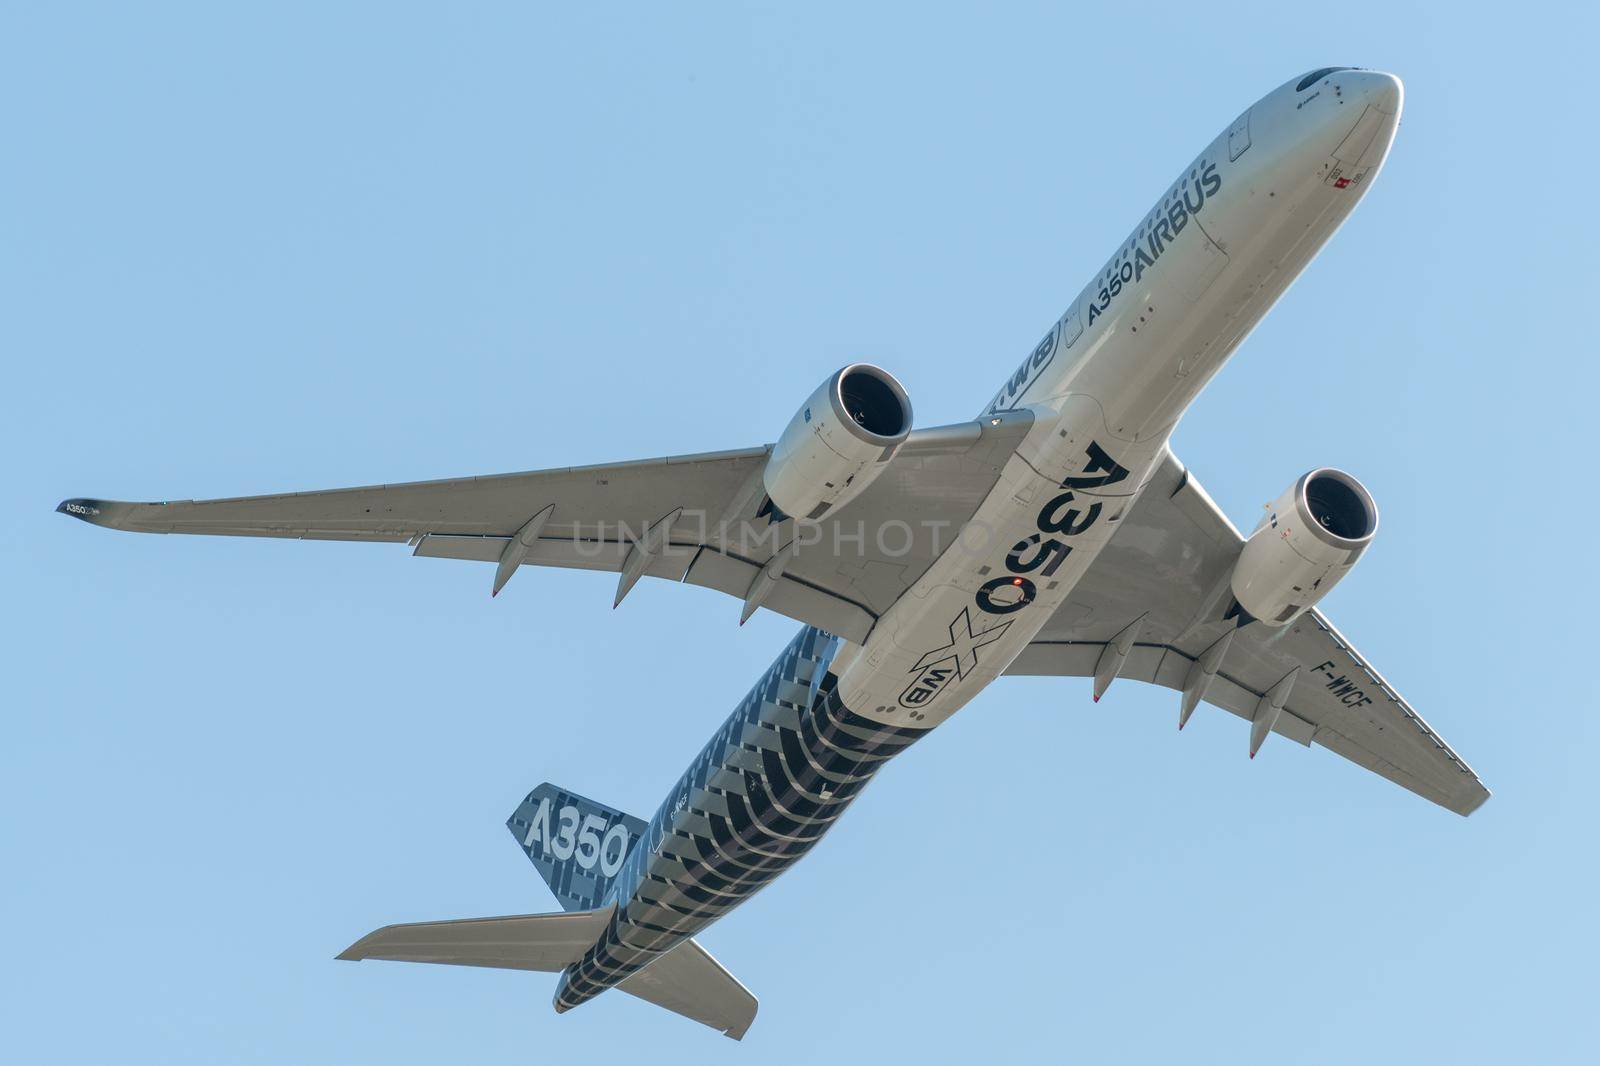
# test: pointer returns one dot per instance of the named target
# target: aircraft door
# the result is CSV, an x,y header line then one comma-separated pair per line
x,y
1071,326
1239,137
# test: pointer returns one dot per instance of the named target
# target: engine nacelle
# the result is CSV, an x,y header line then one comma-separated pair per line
x,y
1309,539
839,441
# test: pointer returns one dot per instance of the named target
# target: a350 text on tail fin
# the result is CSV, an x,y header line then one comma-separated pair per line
x,y
577,845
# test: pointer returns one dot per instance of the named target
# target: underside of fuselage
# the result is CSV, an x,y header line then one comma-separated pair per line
x,y
768,786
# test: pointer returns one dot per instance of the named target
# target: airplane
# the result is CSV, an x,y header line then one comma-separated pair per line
x,y
1054,534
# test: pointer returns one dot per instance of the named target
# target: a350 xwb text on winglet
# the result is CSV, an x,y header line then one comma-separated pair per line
x,y
1055,533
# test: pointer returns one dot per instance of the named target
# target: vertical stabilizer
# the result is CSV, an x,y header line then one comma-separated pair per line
x,y
577,845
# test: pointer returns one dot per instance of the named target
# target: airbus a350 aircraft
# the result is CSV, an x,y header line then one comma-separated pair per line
x,y
1054,534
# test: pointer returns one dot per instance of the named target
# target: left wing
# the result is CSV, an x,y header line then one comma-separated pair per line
x,y
686,518
1160,586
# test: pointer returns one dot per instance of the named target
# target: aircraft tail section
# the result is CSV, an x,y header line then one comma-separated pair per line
x,y
686,980
544,942
577,845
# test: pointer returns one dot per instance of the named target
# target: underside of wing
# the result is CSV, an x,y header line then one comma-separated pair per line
x,y
694,518
619,494
1151,608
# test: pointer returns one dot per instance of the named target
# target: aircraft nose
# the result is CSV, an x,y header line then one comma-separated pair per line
x,y
1362,126
1374,88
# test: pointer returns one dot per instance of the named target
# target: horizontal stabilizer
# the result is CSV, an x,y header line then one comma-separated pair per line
x,y
688,981
545,942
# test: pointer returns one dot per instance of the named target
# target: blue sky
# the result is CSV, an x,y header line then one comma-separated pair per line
x,y
278,247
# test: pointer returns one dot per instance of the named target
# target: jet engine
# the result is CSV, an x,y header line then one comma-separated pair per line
x,y
1310,537
839,441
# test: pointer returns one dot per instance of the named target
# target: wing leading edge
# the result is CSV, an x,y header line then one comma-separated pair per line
x,y
1166,569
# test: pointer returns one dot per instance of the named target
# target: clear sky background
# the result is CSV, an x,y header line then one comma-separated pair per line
x,y
283,246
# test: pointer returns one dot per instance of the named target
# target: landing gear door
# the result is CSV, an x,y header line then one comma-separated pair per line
x,y
1238,136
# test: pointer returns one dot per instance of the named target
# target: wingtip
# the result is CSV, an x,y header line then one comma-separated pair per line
x,y
1476,802
737,1030
111,514
358,951
84,510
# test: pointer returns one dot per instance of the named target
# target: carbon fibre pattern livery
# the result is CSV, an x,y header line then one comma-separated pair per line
x,y
765,789
579,881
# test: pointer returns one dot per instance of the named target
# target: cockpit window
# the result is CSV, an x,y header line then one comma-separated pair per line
x,y
1317,75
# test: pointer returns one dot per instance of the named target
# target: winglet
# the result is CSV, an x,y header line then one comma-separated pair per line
x,y
96,512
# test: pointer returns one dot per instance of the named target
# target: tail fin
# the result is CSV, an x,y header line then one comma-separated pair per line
x,y
577,845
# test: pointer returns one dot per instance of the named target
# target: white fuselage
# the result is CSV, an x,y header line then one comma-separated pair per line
x,y
1109,383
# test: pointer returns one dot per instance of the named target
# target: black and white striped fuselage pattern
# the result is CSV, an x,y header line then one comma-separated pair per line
x,y
765,789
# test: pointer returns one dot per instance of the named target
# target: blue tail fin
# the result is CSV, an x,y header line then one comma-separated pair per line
x,y
577,845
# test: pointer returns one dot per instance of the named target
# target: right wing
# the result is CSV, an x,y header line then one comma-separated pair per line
x,y
1168,567
603,518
